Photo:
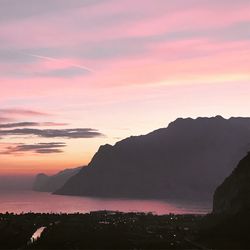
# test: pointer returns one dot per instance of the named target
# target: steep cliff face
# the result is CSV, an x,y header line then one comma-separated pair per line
x,y
45,183
187,160
233,195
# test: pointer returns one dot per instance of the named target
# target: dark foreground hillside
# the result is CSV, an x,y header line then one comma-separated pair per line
x,y
228,225
115,230
233,195
99,230
225,231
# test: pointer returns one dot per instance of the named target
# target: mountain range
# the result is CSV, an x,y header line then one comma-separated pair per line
x,y
45,183
186,160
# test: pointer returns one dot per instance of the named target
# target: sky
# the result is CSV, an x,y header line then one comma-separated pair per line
x,y
78,74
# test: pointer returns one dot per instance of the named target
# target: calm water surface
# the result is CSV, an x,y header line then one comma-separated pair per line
x,y
26,201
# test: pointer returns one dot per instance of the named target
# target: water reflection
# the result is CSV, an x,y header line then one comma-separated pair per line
x,y
37,234
26,201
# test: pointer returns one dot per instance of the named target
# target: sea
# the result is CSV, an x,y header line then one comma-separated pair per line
x,y
39,202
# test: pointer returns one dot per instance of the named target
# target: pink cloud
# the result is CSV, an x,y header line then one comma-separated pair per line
x,y
56,30
164,59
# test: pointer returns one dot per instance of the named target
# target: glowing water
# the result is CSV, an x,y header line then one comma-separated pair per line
x,y
28,201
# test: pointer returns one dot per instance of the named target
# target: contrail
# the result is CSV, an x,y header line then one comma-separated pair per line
x,y
58,60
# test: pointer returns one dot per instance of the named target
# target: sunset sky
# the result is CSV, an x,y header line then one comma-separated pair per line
x,y
75,74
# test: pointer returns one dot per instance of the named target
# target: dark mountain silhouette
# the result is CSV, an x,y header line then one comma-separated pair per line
x,y
233,195
45,183
227,227
40,182
186,160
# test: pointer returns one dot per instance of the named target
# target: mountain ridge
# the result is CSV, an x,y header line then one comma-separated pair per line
x,y
46,183
188,158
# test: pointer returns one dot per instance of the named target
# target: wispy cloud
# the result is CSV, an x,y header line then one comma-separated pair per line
x,y
72,65
22,112
64,73
53,133
30,124
148,57
39,148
